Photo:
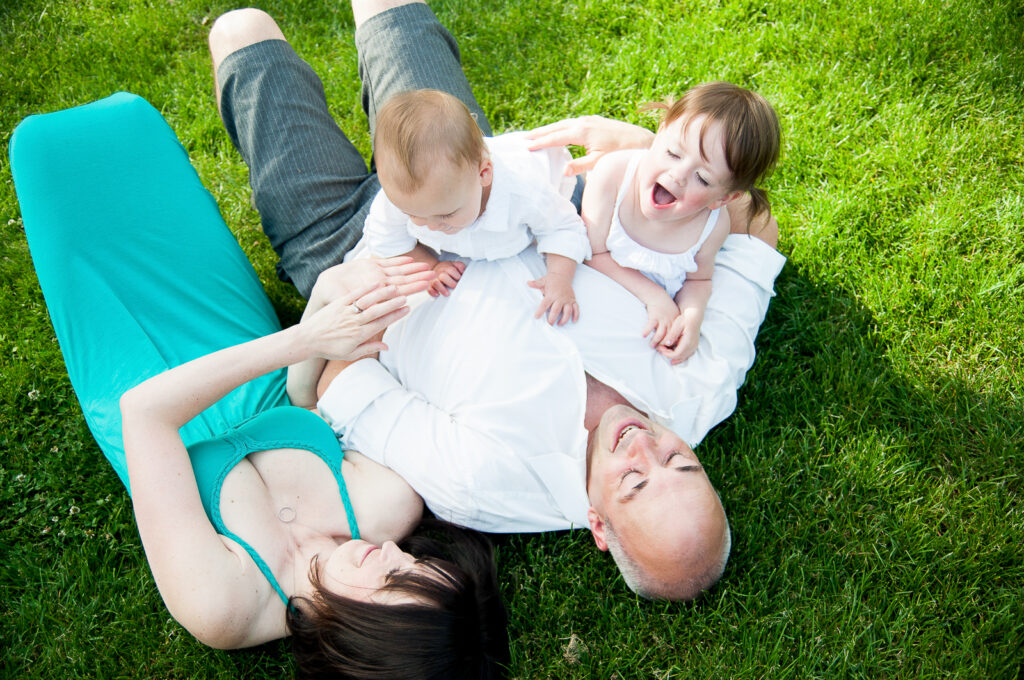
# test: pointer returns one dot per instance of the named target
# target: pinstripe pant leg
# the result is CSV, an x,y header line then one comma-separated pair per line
x,y
404,49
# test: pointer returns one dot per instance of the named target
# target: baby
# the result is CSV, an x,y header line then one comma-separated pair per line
x,y
657,217
447,189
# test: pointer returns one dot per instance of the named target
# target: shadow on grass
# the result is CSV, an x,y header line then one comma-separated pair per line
x,y
875,517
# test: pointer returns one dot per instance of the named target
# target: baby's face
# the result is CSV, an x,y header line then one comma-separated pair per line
x,y
450,199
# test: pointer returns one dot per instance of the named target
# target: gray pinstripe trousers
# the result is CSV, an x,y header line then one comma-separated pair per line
x,y
310,184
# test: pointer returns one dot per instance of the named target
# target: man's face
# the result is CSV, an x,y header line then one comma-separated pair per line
x,y
648,483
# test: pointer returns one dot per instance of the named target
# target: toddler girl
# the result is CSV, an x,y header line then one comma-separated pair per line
x,y
656,217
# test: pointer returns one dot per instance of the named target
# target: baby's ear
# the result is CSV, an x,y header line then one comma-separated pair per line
x,y
486,172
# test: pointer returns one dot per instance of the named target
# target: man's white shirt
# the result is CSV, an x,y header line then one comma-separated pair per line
x,y
479,406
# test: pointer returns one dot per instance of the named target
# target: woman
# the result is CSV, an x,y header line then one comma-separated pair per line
x,y
254,522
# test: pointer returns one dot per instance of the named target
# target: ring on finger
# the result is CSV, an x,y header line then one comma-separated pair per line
x,y
356,307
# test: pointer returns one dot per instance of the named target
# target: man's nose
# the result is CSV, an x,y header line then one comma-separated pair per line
x,y
641,445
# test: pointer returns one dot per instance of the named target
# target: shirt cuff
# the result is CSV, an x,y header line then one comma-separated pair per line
x,y
751,258
567,243
390,247
352,391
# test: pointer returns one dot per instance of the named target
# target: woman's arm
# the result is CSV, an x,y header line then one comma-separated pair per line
x,y
207,583
410,276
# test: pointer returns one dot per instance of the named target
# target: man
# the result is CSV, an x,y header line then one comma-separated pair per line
x,y
500,421
504,423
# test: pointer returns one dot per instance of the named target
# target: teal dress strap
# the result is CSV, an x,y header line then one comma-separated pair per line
x,y
285,427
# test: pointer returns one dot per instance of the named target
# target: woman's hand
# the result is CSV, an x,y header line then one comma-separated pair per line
x,y
350,327
596,134
408,275
347,334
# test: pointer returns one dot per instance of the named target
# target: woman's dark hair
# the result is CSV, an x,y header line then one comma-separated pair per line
x,y
456,629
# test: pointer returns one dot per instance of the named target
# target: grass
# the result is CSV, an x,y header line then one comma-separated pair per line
x,y
872,470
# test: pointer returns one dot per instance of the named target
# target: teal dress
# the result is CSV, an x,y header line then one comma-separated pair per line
x,y
140,274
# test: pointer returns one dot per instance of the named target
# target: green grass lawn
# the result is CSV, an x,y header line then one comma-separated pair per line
x,y
872,470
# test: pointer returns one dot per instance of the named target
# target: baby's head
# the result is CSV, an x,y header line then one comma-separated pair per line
x,y
431,159
747,124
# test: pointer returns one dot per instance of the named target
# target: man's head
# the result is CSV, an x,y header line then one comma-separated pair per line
x,y
431,159
653,507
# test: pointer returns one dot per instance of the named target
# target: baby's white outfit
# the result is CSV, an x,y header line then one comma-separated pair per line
x,y
668,270
529,199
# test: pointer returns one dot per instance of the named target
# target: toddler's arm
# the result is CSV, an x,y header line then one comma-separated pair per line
x,y
598,211
446,273
559,299
387,235
691,300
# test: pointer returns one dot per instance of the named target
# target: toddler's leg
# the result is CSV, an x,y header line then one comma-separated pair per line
x,y
310,184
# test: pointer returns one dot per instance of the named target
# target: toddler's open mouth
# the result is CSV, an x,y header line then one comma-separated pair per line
x,y
662,197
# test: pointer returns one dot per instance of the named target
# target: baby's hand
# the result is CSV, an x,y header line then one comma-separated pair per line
x,y
559,299
446,275
661,313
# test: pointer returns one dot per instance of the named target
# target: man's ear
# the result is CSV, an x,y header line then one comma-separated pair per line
x,y
597,529
486,172
728,198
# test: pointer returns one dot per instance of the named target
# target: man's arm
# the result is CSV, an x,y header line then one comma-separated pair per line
x,y
473,404
742,287
470,468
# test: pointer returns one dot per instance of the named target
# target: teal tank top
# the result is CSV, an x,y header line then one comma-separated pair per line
x,y
284,427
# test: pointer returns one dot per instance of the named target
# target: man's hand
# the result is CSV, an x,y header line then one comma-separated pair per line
x,y
596,134
762,226
446,275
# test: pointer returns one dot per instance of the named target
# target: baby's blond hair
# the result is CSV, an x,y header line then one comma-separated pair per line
x,y
418,129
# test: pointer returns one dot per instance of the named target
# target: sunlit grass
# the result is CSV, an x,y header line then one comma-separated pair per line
x,y
872,470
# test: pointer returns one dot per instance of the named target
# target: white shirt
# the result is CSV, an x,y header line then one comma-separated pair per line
x,y
480,407
529,199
